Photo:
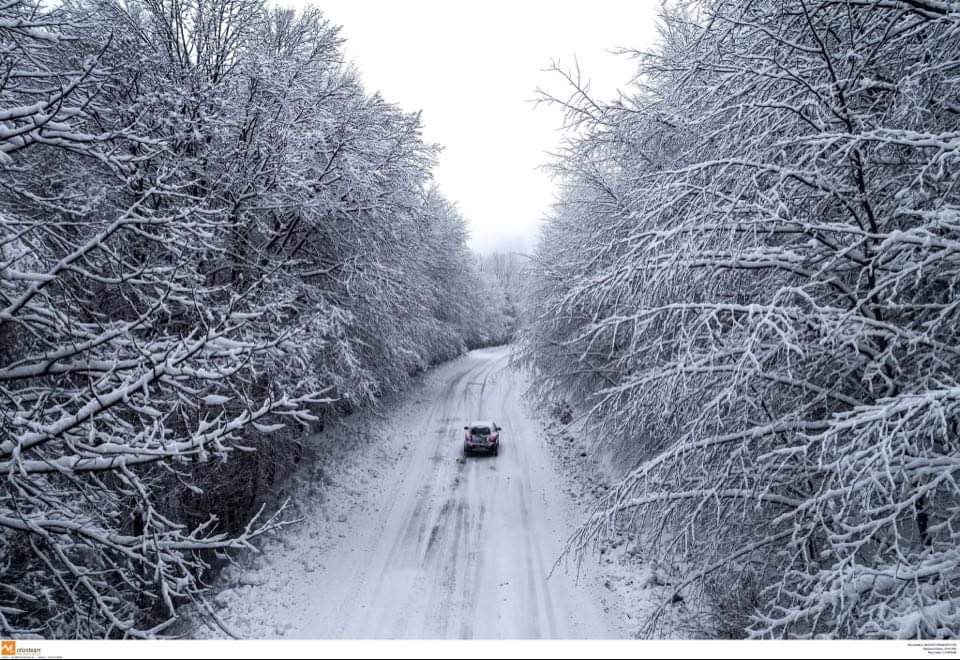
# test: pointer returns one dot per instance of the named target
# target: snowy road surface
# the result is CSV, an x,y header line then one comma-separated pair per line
x,y
456,549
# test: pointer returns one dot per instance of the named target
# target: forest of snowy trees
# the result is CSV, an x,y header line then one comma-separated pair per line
x,y
211,238
750,283
214,240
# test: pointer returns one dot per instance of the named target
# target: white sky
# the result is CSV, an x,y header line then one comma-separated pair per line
x,y
473,67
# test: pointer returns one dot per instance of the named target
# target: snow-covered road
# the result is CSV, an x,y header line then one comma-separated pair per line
x,y
456,549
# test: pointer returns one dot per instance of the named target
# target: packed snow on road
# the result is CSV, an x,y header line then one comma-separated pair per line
x,y
436,545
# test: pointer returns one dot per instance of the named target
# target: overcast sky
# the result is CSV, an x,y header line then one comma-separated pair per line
x,y
472,67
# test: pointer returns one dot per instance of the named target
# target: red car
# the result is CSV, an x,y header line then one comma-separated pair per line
x,y
481,436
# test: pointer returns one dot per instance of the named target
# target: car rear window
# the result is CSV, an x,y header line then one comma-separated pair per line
x,y
480,430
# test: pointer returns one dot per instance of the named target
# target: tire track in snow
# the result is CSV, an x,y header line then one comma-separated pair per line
x,y
461,548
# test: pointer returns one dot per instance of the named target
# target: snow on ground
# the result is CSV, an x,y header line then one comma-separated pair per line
x,y
338,482
632,588
403,537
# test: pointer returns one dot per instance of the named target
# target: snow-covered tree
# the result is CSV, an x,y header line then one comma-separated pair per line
x,y
210,237
751,281
503,274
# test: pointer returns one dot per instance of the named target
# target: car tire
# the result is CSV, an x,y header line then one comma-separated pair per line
x,y
496,450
